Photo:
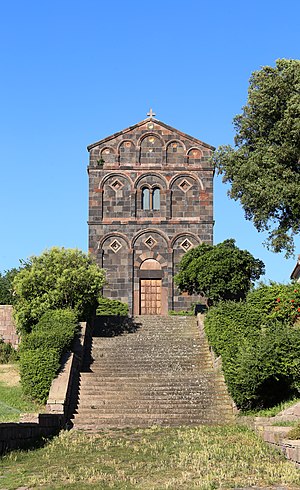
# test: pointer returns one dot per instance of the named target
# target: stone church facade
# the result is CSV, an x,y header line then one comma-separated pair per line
x,y
150,201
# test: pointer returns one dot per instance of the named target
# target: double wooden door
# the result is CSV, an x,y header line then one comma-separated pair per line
x,y
150,297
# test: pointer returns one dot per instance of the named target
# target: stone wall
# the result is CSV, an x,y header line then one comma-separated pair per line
x,y
7,326
60,404
23,435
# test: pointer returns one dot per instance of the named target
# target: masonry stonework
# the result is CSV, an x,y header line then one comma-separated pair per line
x,y
8,331
150,201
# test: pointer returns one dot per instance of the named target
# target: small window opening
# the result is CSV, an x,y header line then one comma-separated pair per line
x,y
145,198
151,198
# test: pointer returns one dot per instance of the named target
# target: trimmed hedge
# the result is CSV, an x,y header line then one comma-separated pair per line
x,y
260,352
41,351
37,369
267,370
56,330
111,307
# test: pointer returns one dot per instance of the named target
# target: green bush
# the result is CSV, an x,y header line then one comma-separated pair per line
x,y
260,354
58,279
56,329
228,323
54,334
37,369
7,353
111,307
265,370
278,301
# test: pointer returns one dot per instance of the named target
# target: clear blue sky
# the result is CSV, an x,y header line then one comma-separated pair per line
x,y
73,72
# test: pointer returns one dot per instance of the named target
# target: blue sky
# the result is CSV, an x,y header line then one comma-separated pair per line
x,y
73,72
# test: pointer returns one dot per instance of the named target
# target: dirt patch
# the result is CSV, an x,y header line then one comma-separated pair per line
x,y
9,374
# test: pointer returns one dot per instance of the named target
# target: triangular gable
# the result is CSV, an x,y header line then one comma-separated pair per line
x,y
156,121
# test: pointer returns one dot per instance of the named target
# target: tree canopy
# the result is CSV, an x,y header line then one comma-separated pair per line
x,y
264,166
218,272
6,287
58,278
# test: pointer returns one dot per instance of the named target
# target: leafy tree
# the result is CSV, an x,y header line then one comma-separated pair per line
x,y
218,272
264,167
58,278
6,287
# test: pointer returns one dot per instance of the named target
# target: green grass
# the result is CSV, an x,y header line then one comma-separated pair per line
x,y
285,423
205,458
271,412
13,403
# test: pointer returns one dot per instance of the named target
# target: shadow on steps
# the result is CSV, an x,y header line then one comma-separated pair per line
x,y
112,326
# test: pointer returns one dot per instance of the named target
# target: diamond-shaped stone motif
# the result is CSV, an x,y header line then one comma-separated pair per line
x,y
116,185
115,246
184,185
186,245
150,242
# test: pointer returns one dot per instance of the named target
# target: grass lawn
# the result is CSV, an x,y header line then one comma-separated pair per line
x,y
12,401
157,458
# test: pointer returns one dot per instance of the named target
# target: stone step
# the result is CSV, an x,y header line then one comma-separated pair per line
x,y
160,374
94,425
203,415
156,409
127,363
197,377
142,380
143,371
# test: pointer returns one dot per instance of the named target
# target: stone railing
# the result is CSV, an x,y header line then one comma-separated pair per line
x,y
276,436
64,385
59,405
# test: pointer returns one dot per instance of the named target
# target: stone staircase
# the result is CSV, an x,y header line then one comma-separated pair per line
x,y
155,371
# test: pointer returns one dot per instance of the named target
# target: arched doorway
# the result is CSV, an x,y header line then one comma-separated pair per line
x,y
150,287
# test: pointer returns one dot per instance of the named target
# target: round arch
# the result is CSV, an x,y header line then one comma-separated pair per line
x,y
113,234
186,174
160,178
150,230
183,235
176,141
194,148
151,133
115,174
111,148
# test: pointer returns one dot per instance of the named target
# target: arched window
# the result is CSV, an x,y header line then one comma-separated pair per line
x,y
156,198
151,198
145,198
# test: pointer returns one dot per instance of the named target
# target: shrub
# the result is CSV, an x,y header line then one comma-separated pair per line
x,y
279,301
260,355
54,334
266,370
37,369
111,307
58,278
227,324
7,353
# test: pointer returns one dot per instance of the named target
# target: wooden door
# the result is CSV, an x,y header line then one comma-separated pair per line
x,y
150,297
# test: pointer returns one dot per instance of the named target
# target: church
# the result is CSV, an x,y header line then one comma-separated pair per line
x,y
150,201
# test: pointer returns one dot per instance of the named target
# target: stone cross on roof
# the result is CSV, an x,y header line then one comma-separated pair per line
x,y
151,113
